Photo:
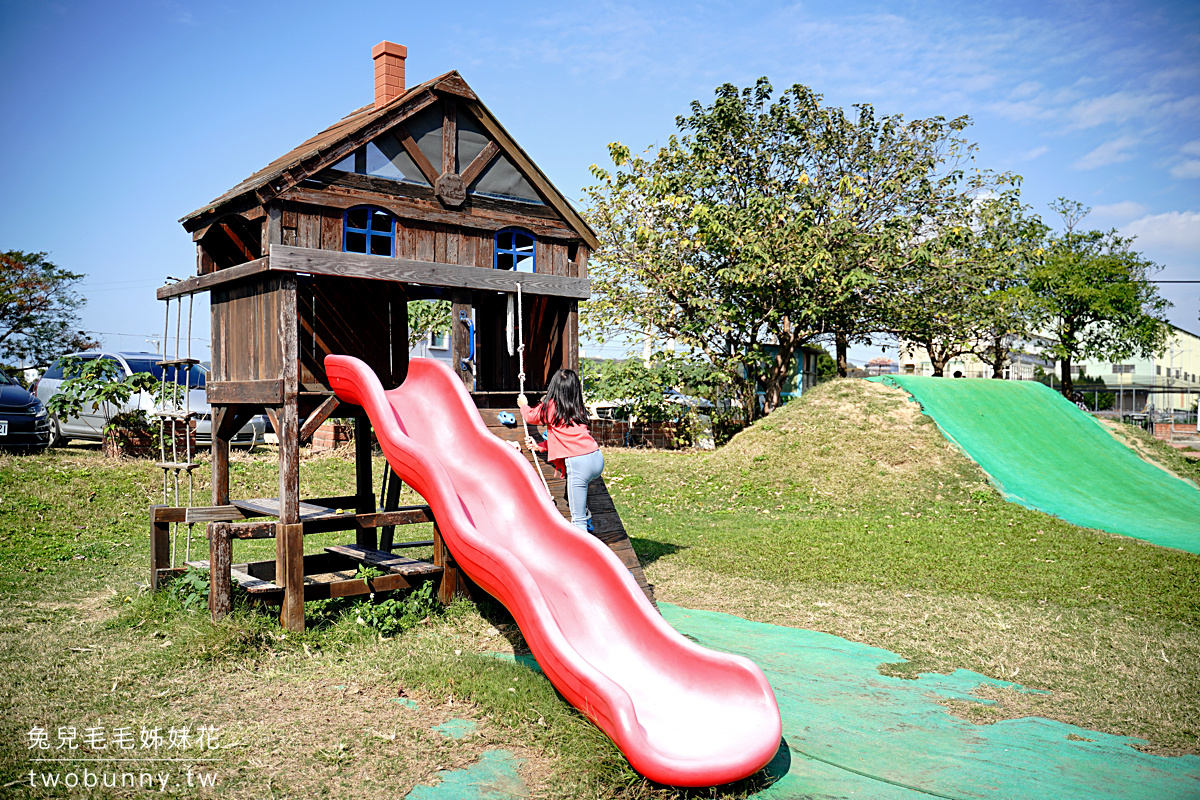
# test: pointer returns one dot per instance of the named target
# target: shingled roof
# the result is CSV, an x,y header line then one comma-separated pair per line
x,y
340,139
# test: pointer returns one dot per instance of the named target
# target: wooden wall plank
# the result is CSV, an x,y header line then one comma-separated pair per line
x,y
308,229
331,230
581,260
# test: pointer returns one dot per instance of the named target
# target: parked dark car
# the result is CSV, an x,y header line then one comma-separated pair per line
x,y
24,423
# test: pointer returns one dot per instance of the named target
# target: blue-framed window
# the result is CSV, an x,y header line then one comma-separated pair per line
x,y
369,230
516,250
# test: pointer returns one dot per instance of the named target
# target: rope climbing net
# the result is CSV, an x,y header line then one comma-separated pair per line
x,y
176,420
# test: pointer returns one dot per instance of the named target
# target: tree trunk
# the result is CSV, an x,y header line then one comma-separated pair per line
x,y
772,396
937,362
1067,387
842,344
999,356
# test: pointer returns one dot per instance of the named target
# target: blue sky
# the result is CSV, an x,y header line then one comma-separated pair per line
x,y
122,117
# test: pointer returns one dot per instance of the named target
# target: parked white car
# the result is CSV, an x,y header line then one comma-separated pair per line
x,y
90,423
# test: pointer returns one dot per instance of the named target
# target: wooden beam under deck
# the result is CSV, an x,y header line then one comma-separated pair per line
x,y
290,260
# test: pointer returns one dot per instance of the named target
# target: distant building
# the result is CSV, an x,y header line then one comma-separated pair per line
x,y
881,365
434,345
1165,384
1023,364
803,375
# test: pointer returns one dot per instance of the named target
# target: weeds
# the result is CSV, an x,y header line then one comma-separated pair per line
x,y
190,589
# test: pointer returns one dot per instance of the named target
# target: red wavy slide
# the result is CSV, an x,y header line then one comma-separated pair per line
x,y
683,715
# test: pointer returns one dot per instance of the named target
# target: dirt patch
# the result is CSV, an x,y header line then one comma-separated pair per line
x,y
853,442
320,737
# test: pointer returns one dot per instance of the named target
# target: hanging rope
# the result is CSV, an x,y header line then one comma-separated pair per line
x,y
511,325
520,326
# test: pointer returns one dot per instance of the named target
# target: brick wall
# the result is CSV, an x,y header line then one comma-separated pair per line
x,y
660,435
1162,430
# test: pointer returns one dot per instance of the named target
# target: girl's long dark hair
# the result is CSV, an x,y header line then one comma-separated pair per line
x,y
567,395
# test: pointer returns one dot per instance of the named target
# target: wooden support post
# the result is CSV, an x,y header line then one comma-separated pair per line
x,y
289,461
390,503
289,538
571,337
220,562
160,546
365,494
289,555
226,420
453,584
272,229
220,456
289,574
460,315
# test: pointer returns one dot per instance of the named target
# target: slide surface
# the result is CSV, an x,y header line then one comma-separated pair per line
x,y
1044,453
682,714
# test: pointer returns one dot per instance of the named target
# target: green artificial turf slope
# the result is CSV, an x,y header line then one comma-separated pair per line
x,y
1044,453
852,732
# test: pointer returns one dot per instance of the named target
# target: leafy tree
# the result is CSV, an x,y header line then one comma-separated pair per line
x,y
884,194
827,368
1008,242
643,391
1095,292
97,381
426,317
702,241
765,226
965,287
38,309
927,305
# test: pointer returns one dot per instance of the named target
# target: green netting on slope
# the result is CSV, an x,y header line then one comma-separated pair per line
x,y
1046,454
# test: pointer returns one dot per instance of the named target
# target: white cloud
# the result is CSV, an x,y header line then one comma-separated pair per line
x,y
1117,213
1019,110
1191,148
1171,232
1111,152
1117,107
1037,152
1025,89
1186,169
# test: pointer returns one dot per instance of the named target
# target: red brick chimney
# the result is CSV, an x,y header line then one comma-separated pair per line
x,y
389,72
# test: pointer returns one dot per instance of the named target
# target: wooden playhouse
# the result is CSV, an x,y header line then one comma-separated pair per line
x,y
420,195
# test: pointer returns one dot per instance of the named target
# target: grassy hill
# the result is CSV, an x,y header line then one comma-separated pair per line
x,y
851,444
844,512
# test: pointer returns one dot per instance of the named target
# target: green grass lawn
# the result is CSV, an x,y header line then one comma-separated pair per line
x,y
847,514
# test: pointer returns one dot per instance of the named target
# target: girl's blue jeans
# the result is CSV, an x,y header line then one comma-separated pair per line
x,y
582,470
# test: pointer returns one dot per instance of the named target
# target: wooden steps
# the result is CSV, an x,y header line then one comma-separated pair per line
x,y
606,522
334,574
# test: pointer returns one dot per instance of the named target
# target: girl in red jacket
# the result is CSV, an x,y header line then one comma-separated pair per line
x,y
568,445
